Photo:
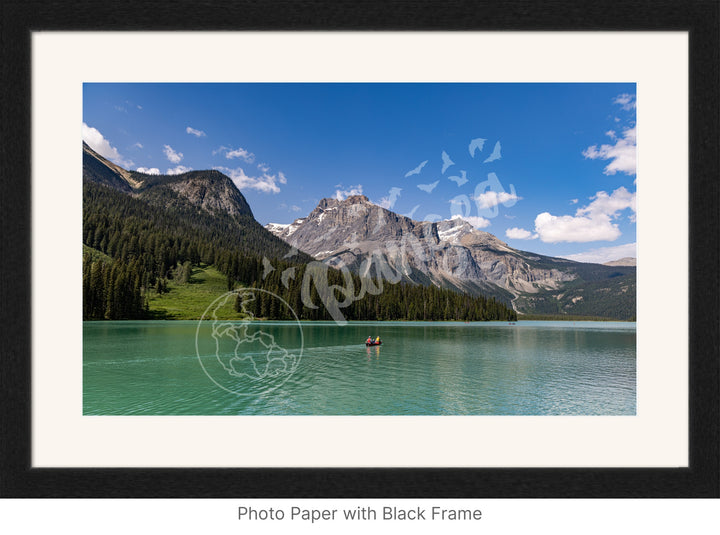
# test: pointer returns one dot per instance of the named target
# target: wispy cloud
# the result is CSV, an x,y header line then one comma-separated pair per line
x,y
240,153
342,194
491,198
196,133
102,146
622,154
171,155
626,100
516,233
475,221
604,204
267,183
179,170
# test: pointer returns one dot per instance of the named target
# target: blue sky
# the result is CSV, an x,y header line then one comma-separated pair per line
x,y
548,168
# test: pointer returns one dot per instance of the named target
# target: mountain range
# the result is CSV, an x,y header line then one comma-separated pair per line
x,y
207,202
369,239
205,207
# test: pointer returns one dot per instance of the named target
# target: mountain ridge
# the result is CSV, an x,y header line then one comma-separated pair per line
x,y
207,199
362,236
145,236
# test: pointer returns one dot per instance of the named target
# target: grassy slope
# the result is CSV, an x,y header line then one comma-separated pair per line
x,y
190,300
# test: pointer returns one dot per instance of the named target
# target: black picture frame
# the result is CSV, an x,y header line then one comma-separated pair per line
x,y
701,18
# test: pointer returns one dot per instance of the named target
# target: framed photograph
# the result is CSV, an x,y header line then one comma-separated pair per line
x,y
282,262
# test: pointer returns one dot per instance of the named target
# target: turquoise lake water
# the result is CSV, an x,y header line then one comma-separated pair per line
x,y
320,368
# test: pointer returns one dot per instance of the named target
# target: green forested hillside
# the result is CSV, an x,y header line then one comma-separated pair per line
x,y
153,253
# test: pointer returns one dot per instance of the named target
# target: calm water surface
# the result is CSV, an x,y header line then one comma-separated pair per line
x,y
529,368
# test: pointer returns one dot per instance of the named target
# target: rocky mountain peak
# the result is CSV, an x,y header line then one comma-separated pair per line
x,y
209,190
212,191
358,234
329,202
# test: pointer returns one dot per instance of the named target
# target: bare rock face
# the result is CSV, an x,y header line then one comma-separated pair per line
x,y
212,191
209,190
367,238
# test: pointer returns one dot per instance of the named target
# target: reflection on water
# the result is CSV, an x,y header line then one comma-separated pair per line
x,y
530,368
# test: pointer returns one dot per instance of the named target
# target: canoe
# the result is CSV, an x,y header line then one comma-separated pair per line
x,y
373,343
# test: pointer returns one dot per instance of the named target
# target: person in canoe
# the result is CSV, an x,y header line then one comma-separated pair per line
x,y
371,342
368,341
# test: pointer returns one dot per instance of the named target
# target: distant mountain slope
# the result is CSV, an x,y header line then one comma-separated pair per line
x,y
627,261
101,171
366,238
205,203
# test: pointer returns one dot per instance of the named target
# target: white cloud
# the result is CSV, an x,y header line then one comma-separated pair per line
x,y
196,133
516,233
493,198
266,183
554,229
179,170
137,145
574,201
97,142
591,223
605,254
622,154
341,195
626,100
263,167
282,178
295,208
172,156
610,205
148,171
241,153
475,221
